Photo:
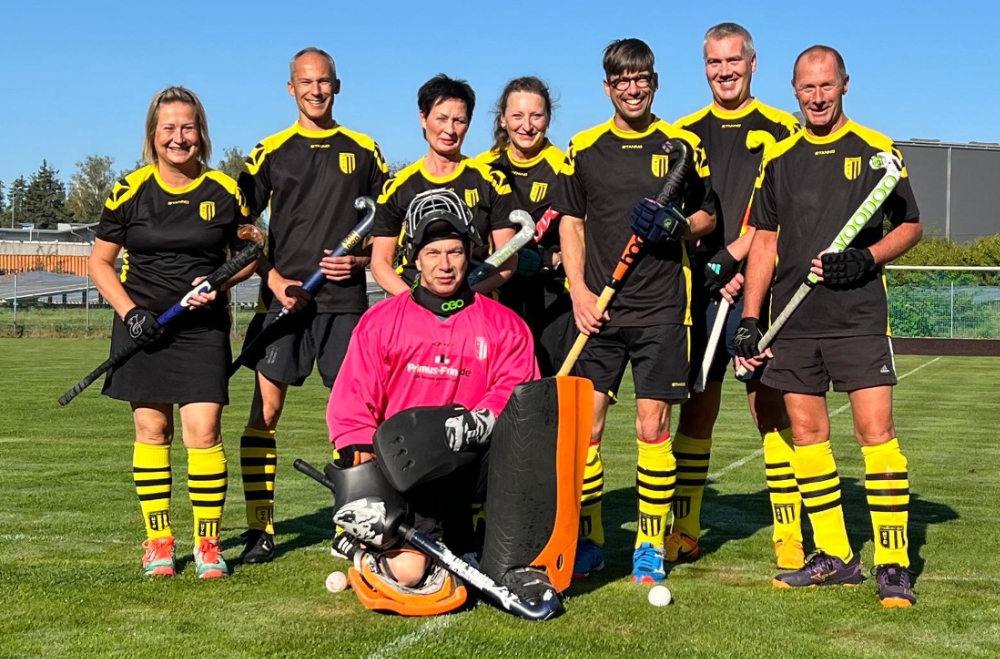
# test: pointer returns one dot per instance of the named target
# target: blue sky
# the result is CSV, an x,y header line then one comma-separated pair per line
x,y
77,77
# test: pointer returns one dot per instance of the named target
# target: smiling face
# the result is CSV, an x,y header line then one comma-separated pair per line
x,y
442,265
313,85
177,140
729,71
445,126
819,89
632,94
525,119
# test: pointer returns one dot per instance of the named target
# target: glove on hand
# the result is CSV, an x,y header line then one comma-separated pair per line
x,y
654,223
142,326
469,429
847,267
720,270
529,261
748,335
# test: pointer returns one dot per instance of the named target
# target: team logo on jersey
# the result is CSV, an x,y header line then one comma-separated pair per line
x,y
852,168
347,163
660,165
472,198
892,537
482,348
206,210
538,191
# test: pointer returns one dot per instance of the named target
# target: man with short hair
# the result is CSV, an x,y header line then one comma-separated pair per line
x,y
608,168
809,186
734,129
309,176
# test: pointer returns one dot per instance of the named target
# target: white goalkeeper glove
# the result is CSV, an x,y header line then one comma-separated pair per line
x,y
469,429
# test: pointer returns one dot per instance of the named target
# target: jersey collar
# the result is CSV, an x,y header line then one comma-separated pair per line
x,y
832,137
444,179
305,132
528,164
187,188
734,114
442,306
653,127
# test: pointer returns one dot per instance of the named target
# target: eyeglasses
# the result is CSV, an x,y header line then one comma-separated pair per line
x,y
642,81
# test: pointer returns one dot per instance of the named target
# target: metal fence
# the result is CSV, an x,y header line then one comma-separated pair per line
x,y
944,302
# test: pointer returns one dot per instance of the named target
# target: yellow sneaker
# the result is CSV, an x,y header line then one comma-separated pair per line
x,y
158,561
680,548
789,554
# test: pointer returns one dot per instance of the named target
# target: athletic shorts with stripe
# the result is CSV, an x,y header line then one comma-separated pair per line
x,y
807,365
659,354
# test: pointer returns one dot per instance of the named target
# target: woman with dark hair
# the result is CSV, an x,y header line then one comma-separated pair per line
x,y
521,150
446,107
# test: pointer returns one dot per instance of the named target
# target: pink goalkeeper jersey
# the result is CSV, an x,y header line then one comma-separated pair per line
x,y
401,355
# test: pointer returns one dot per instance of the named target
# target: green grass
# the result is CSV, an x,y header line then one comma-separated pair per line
x,y
70,529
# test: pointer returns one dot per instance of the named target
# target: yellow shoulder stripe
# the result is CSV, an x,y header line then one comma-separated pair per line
x,y
555,157
586,138
876,139
693,118
776,151
230,186
126,187
780,117
401,177
367,144
488,157
266,146
495,177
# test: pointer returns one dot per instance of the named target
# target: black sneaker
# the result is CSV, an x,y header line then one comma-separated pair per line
x,y
258,546
822,570
345,546
895,589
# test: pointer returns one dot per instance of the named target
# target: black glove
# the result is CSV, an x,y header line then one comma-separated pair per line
x,y
142,326
748,336
720,270
654,223
529,261
847,267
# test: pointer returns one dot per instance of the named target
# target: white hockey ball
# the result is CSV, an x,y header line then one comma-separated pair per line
x,y
660,596
336,582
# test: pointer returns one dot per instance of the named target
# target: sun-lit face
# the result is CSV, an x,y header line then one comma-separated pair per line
x,y
442,265
632,94
177,140
729,71
446,125
314,85
525,121
820,91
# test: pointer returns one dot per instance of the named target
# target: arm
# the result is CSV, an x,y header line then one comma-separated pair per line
x,y
897,242
515,365
759,271
571,238
383,251
699,224
102,271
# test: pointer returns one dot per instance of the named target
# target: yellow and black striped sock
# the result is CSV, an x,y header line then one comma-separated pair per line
x,y
151,474
591,524
819,483
208,480
786,501
258,464
887,485
692,457
655,479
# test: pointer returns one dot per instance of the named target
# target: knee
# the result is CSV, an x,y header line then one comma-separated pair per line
x,y
650,427
203,433
154,434
408,568
874,436
807,433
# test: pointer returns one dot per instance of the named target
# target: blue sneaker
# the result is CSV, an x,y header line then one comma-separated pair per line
x,y
589,558
647,564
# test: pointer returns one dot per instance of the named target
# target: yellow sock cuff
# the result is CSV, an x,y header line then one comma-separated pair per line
x,y
261,434
890,446
815,450
147,456
201,460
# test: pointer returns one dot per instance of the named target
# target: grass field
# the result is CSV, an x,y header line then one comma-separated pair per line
x,y
70,529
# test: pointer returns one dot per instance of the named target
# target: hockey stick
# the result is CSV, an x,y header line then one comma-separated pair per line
x,y
317,278
224,273
546,607
755,140
857,222
634,248
504,252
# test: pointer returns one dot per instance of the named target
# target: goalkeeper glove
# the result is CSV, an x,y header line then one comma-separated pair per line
x,y
469,429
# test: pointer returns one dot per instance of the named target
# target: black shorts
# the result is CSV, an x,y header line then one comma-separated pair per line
x,y
187,365
807,365
298,341
659,354
442,508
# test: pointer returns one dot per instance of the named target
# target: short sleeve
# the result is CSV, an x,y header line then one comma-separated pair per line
x,y
763,214
573,199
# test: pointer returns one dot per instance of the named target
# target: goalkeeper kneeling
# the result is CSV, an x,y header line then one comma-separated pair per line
x,y
415,415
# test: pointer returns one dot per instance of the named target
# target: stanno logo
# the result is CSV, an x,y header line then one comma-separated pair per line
x,y
538,191
852,168
347,163
206,210
632,146
319,146
177,202
825,153
732,126
472,198
660,165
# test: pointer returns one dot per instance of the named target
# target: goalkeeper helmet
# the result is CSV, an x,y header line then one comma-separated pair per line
x,y
436,215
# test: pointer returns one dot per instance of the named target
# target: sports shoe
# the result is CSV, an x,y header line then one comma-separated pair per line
x,y
589,558
345,546
789,554
647,564
158,560
258,546
680,547
822,570
208,559
894,588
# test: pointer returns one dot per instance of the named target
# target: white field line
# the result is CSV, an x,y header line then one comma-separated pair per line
x,y
403,642
759,452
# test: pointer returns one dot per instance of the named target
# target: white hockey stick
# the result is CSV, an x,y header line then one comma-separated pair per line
x,y
507,250
893,173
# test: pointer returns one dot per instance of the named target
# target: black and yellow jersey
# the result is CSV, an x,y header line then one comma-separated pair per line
x,y
171,235
485,190
607,172
735,143
534,183
310,180
808,189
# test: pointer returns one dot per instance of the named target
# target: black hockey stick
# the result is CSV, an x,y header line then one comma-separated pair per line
x,y
224,273
317,278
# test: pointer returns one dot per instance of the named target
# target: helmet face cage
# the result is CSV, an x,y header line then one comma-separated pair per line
x,y
431,206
